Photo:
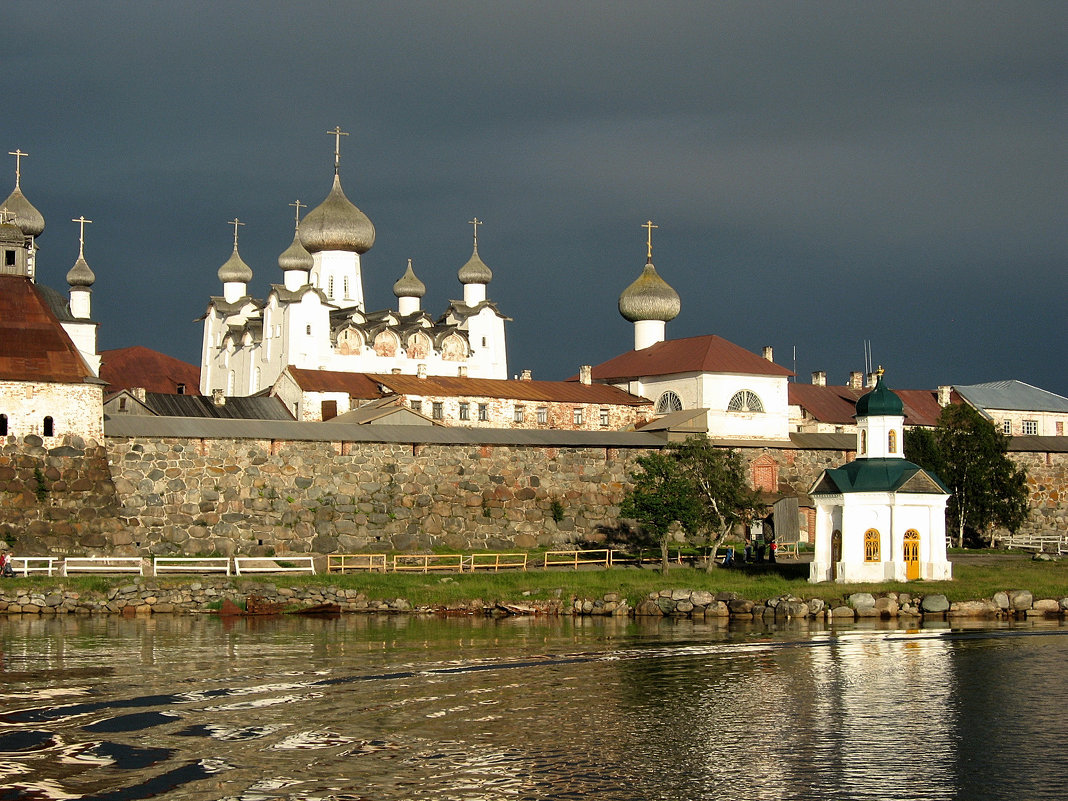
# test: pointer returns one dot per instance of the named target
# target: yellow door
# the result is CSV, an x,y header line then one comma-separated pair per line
x,y
912,554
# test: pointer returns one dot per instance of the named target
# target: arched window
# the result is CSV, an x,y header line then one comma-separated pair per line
x,y
49,427
891,442
668,402
3,425
745,401
231,382
871,545
863,441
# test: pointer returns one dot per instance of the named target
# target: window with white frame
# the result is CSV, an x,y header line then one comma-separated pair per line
x,y
543,415
465,411
483,412
668,402
520,412
1006,426
438,411
745,401
576,415
604,417
1029,427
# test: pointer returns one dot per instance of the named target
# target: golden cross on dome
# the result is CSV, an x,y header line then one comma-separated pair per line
x,y
298,204
80,219
475,222
18,154
235,222
880,371
337,133
648,226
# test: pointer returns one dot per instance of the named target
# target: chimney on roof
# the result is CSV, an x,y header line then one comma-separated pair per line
x,y
819,378
461,371
943,396
873,379
856,379
218,397
420,370
139,393
586,374
525,375
768,353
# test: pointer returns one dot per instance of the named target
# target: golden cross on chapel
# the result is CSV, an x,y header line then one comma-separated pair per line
x,y
648,226
80,219
298,204
337,133
235,222
18,154
475,222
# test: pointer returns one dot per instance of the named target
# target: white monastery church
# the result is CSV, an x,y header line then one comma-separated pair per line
x,y
317,318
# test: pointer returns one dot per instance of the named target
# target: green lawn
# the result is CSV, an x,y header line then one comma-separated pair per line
x,y
973,581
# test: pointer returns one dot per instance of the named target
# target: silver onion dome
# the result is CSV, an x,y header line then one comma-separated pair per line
x,y
81,275
27,218
336,224
296,256
475,271
409,285
235,270
650,297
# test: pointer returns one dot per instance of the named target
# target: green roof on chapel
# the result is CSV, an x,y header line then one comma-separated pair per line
x,y
878,475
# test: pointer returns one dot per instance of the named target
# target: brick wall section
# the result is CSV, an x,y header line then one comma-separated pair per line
x,y
189,496
1047,481
59,499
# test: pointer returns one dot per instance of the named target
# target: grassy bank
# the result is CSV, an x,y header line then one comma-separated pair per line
x,y
973,581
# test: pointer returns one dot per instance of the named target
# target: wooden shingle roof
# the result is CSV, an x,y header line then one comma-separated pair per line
x,y
33,344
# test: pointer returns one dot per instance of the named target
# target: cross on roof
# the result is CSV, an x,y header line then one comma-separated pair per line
x,y
475,222
337,133
6,216
298,204
80,219
235,222
648,226
18,154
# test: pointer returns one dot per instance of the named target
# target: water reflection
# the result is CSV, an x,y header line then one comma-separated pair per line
x,y
413,708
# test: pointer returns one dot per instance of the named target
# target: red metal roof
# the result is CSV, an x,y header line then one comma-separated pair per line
x,y
137,366
703,354
33,344
366,385
837,405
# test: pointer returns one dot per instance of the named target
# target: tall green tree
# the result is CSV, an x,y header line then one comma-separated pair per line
x,y
720,480
661,495
970,456
702,488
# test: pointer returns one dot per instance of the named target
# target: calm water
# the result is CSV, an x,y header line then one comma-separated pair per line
x,y
395,708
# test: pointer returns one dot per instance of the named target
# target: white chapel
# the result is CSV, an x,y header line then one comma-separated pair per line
x,y
317,317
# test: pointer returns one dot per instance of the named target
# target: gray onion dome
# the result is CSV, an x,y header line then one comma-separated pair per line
x,y
475,271
336,224
649,298
27,218
296,256
408,285
81,275
235,270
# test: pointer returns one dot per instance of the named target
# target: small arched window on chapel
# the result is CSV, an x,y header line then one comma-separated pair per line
x,y
871,545
3,425
669,402
49,427
745,401
891,442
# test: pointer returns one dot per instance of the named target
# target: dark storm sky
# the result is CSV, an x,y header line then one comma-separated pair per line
x,y
821,173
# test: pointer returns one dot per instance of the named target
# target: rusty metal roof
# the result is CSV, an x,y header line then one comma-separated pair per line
x,y
137,366
703,354
837,404
33,344
368,385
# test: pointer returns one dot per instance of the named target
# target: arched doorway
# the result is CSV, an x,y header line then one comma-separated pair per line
x,y
912,554
836,553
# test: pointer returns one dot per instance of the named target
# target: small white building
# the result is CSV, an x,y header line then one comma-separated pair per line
x,y
880,517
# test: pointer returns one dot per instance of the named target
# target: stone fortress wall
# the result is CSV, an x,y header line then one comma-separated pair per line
x,y
160,496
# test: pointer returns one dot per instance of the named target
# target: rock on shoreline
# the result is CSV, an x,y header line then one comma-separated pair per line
x,y
147,596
